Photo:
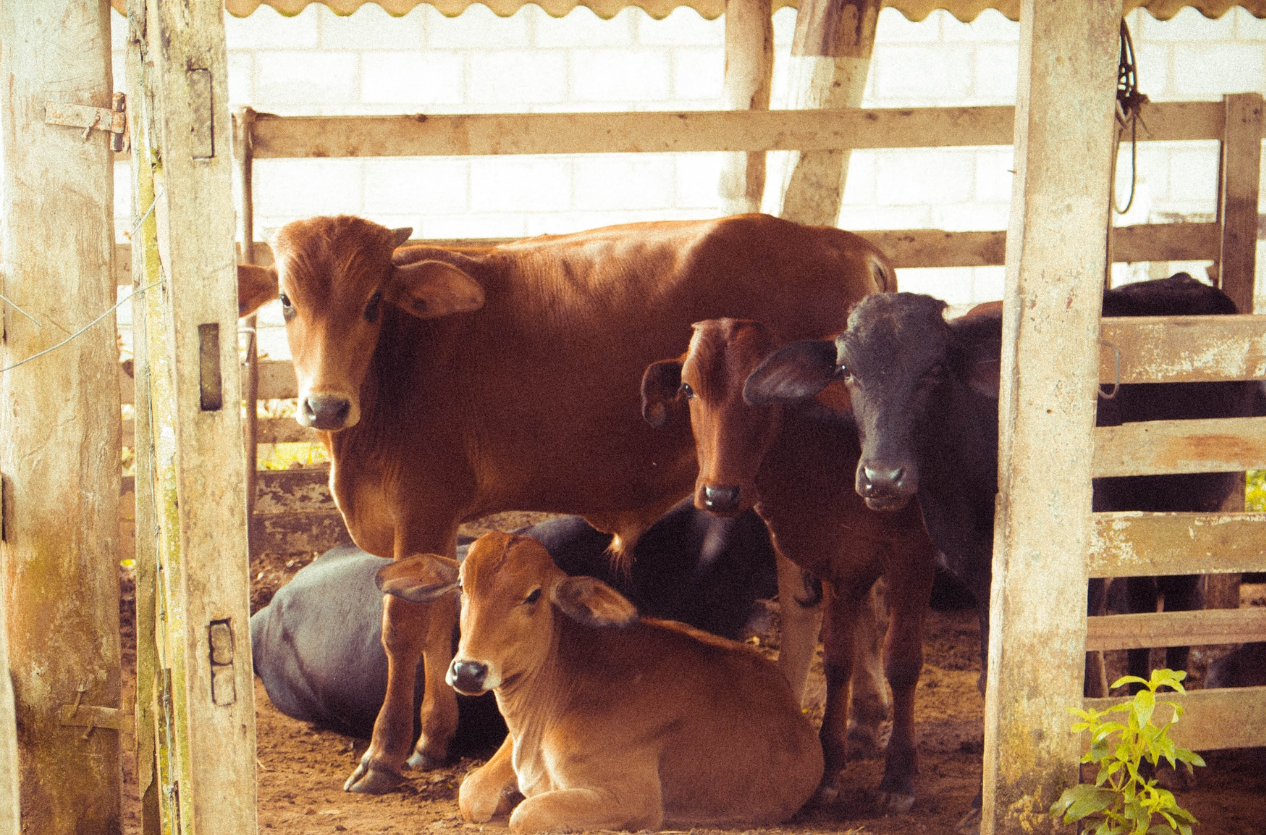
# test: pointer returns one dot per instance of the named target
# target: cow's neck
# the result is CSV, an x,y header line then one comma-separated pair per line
x,y
530,704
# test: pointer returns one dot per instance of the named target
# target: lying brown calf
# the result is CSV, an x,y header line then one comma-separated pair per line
x,y
615,722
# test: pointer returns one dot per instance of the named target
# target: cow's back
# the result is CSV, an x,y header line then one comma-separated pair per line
x,y
544,380
733,746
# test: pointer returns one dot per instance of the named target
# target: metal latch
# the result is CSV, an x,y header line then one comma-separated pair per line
x,y
83,116
110,718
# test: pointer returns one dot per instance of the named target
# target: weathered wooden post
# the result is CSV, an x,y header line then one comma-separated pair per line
x,y
749,72
59,428
1055,263
831,59
10,786
190,443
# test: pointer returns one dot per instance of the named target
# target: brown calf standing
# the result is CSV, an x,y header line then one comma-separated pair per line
x,y
615,723
448,384
785,462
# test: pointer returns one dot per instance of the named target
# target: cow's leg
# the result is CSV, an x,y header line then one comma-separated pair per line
x,y
800,613
1182,594
910,587
439,703
635,803
842,605
406,630
492,789
1096,681
869,700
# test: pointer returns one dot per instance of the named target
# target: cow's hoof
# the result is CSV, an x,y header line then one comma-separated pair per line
x,y
893,803
365,780
969,824
426,762
825,795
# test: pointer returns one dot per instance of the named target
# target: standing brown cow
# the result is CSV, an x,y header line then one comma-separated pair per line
x,y
448,384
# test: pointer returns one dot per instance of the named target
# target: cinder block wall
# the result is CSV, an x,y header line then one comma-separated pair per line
x,y
319,63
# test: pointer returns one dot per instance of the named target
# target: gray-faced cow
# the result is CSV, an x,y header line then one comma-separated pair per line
x,y
615,722
447,384
788,463
925,394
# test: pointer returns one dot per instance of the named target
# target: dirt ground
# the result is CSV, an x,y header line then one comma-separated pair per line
x,y
302,767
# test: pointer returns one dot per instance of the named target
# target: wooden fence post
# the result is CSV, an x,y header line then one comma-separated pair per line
x,y
831,58
59,427
10,786
749,72
1042,533
204,693
244,157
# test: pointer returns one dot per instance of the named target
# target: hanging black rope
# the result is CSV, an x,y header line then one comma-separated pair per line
x,y
1129,105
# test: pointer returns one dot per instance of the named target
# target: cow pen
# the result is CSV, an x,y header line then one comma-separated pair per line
x,y
194,714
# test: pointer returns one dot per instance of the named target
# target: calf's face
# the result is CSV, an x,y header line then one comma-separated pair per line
x,y
892,357
731,436
511,593
335,277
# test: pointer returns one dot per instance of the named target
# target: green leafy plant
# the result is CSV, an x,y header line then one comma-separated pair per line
x,y
1255,495
1125,799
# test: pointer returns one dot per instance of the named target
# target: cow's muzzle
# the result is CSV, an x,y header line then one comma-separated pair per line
x,y
721,499
467,677
886,487
328,412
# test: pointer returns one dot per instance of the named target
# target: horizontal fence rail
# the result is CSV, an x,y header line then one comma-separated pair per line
x,y
1172,629
1134,544
1158,447
299,137
1212,719
1182,349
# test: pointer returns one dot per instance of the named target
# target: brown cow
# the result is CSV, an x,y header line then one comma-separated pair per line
x,y
615,722
448,384
784,461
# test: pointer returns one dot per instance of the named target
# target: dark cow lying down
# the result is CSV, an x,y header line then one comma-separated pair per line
x,y
615,722
318,644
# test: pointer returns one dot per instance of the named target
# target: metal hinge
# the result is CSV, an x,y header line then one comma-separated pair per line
x,y
114,120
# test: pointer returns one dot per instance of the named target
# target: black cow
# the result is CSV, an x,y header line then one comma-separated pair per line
x,y
1245,666
925,394
318,644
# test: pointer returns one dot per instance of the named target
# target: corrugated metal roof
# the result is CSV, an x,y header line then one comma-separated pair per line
x,y
964,10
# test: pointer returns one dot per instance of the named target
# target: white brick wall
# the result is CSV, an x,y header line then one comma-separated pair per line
x,y
318,63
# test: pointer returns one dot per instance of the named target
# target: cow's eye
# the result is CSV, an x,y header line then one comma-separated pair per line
x,y
532,597
686,391
371,309
287,309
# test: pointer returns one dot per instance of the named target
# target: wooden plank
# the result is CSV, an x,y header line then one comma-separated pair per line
x,y
1182,349
59,440
288,491
297,137
243,157
1212,719
1237,207
1132,544
830,60
1064,126
1175,629
1216,445
208,743
749,72
298,532
932,247
656,132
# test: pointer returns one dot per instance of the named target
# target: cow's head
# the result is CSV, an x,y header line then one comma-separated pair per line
x,y
335,277
511,591
892,356
731,436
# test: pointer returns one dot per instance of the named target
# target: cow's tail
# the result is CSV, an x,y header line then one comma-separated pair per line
x,y
885,276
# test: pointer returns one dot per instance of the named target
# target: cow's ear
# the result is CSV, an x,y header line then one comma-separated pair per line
x,y
399,237
421,578
430,289
661,391
255,286
795,372
592,602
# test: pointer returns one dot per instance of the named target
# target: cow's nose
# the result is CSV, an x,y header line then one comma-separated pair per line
x,y
876,478
325,411
721,499
467,676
